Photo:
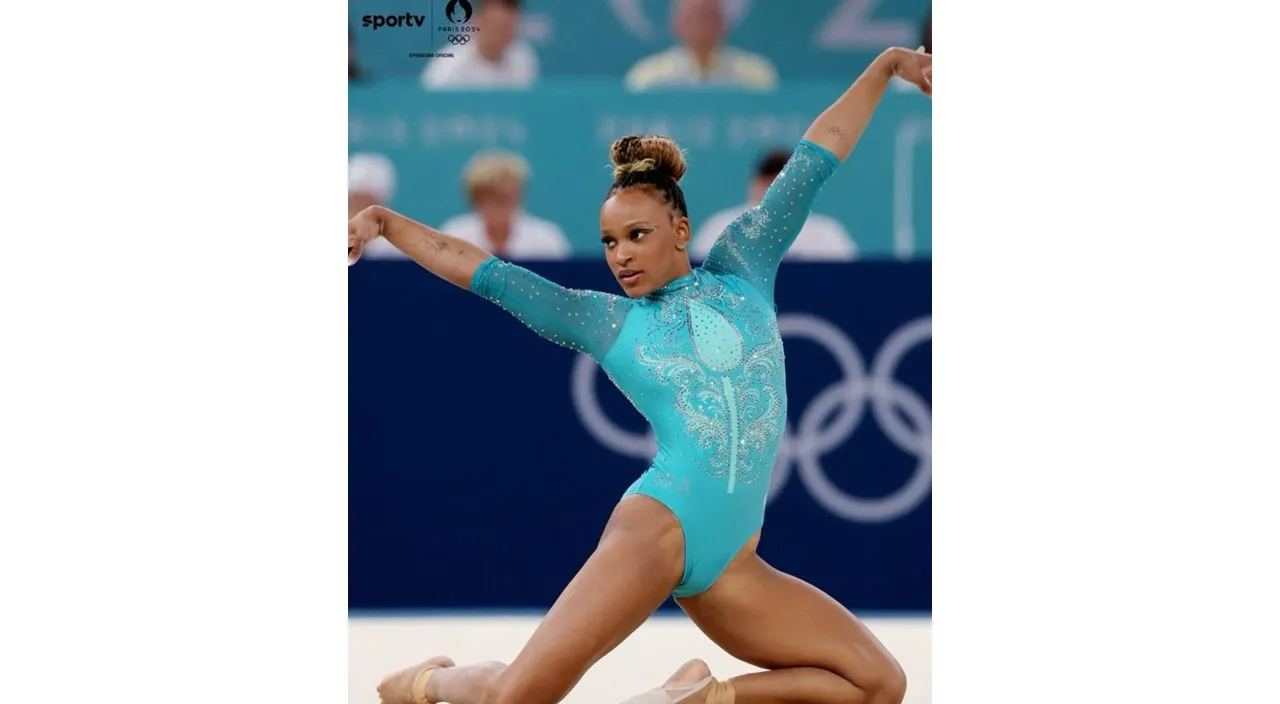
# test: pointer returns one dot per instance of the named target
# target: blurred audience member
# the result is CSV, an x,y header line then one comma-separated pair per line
x,y
371,180
701,58
821,238
354,74
497,223
493,58
927,34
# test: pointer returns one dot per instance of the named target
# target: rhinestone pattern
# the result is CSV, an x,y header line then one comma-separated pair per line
x,y
585,321
753,245
700,358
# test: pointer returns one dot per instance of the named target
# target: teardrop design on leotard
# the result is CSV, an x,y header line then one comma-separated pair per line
x,y
728,394
718,344
716,341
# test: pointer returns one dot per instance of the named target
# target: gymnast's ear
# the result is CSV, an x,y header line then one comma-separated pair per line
x,y
683,232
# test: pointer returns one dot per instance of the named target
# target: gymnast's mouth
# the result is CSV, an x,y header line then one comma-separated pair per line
x,y
629,276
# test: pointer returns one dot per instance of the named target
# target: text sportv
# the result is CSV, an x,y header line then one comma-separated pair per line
x,y
405,20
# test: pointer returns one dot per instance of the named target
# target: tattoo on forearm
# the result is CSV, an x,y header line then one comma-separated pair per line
x,y
439,243
838,132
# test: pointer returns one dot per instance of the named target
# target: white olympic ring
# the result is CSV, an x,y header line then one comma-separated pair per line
x,y
847,397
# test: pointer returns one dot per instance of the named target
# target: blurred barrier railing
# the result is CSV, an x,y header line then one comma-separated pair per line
x,y
882,194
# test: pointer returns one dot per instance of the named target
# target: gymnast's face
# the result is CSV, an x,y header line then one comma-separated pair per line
x,y
645,241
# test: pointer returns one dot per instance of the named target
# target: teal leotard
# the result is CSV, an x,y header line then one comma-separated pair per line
x,y
700,358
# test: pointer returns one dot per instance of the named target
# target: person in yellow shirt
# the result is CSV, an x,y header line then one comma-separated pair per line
x,y
701,58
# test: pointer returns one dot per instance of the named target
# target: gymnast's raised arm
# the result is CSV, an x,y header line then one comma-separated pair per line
x,y
840,126
753,246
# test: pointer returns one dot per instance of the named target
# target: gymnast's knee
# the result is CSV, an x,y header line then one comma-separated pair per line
x,y
887,685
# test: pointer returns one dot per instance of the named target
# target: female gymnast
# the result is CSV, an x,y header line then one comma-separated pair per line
x,y
698,353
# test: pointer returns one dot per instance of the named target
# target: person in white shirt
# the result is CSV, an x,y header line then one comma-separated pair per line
x,y
494,58
701,58
822,238
497,223
371,180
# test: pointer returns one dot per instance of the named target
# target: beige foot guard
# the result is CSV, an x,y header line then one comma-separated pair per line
x,y
420,685
717,693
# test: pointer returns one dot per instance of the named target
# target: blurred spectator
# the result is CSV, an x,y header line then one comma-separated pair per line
x,y
494,58
701,58
927,38
354,74
494,183
371,180
821,238
497,223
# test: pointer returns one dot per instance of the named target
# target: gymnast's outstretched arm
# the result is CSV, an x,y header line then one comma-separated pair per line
x,y
752,246
452,259
586,321
840,126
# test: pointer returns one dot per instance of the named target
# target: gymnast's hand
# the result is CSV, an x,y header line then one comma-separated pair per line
x,y
364,228
914,67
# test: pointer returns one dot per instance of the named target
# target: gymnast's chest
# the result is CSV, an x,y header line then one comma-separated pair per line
x,y
688,340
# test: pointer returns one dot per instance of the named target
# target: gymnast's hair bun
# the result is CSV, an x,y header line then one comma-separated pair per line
x,y
636,153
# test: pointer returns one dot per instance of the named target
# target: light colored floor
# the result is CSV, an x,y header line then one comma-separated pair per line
x,y
380,646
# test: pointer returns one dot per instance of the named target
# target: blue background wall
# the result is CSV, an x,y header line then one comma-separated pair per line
x,y
474,481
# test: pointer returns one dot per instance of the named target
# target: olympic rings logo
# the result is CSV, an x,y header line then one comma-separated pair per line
x,y
803,446
459,39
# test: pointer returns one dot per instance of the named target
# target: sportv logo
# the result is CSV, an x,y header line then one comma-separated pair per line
x,y
405,20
